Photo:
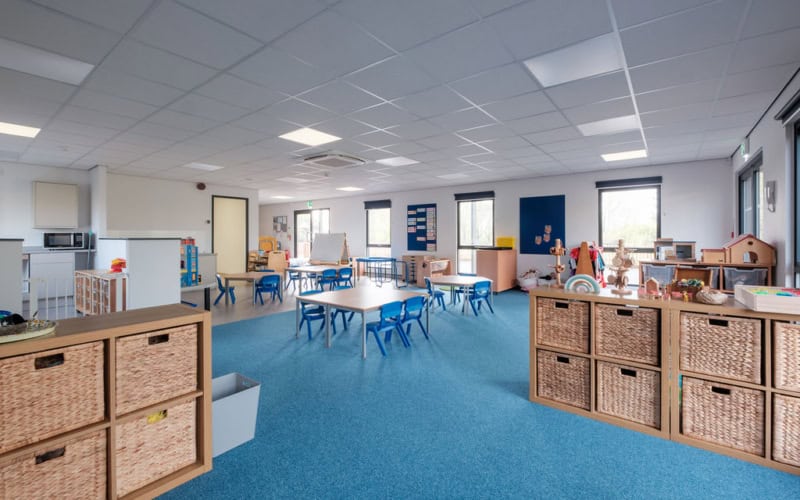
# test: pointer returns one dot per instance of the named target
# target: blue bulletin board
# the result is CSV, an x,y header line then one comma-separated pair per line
x,y
421,227
541,221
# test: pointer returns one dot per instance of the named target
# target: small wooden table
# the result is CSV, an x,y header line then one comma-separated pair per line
x,y
363,300
462,282
251,276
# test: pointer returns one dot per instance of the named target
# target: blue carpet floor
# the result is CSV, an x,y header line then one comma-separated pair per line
x,y
447,418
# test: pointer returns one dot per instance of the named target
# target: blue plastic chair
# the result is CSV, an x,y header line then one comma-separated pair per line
x,y
413,312
345,277
310,312
294,278
390,313
346,315
436,296
328,277
480,293
458,291
223,291
271,283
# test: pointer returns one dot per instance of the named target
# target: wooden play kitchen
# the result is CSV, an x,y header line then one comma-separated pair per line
x,y
723,378
110,406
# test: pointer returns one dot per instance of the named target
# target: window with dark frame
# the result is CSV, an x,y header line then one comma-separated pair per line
x,y
751,187
629,210
475,227
379,235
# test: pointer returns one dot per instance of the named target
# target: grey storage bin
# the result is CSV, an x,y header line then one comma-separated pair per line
x,y
234,408
733,276
662,274
714,283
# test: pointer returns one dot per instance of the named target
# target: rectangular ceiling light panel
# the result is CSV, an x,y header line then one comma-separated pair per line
x,y
610,125
588,58
309,137
33,61
625,155
203,166
397,161
18,130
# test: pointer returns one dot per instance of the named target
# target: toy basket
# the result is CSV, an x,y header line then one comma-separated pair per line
x,y
563,324
629,393
721,345
563,378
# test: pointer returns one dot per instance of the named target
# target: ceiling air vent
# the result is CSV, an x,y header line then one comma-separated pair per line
x,y
333,160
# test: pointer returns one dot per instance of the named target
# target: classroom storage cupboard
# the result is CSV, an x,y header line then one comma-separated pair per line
x,y
723,378
112,406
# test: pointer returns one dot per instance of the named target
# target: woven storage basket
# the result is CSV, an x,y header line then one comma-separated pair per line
x,y
153,446
787,356
155,366
563,378
74,469
46,393
629,393
723,346
627,333
786,430
724,414
562,323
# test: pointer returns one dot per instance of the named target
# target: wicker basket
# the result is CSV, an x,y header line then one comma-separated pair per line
x,y
722,346
724,414
787,354
50,392
629,393
563,324
155,366
155,445
74,469
626,333
786,430
563,378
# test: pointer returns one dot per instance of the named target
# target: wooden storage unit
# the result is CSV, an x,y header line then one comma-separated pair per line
x,y
723,275
425,266
726,378
500,266
99,437
100,292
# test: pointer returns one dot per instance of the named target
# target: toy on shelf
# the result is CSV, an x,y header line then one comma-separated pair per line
x,y
558,251
588,259
621,264
117,265
744,249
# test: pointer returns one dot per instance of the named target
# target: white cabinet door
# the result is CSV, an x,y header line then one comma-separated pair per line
x,y
54,272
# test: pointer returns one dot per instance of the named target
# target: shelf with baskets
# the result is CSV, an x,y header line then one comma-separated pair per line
x,y
112,406
100,292
723,276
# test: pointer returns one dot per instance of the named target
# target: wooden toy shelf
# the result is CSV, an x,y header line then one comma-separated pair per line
x,y
726,378
109,406
724,275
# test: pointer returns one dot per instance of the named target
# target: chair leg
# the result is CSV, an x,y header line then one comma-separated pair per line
x,y
472,303
403,336
425,332
216,301
378,340
490,306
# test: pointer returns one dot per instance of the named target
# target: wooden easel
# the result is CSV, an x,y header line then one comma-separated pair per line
x,y
330,248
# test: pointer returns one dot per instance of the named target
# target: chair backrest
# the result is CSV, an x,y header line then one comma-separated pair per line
x,y
342,287
429,286
391,310
414,305
482,288
329,273
270,280
219,283
345,272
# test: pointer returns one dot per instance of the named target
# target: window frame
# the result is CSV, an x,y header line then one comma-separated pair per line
x,y
472,198
369,244
310,212
751,171
628,187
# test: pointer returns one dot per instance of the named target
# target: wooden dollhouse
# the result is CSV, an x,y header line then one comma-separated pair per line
x,y
745,249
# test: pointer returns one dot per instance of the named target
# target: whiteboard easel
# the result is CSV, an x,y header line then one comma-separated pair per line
x,y
329,249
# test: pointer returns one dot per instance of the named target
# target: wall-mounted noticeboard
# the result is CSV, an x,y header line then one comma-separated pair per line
x,y
421,227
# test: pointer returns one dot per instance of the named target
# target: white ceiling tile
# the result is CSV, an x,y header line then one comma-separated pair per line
x,y
170,118
14,143
298,112
232,90
157,130
691,31
13,83
758,101
333,44
67,138
99,101
377,139
766,50
521,106
694,111
678,96
259,19
629,12
771,78
487,8
294,76
612,139
156,65
116,15
462,120
71,127
587,90
228,136
432,102
505,144
131,87
392,78
266,123
768,16
486,132
340,97
383,115
538,123
496,84
571,145
403,25
442,141
197,105
537,27
600,111
466,51
182,31
97,118
46,29
705,65
406,149
343,127
555,135
415,130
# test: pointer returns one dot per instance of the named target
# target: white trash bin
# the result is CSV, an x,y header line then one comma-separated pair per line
x,y
234,410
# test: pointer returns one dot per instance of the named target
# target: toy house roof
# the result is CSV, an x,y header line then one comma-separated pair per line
x,y
742,238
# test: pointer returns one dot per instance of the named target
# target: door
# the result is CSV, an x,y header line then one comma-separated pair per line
x,y
229,230
308,223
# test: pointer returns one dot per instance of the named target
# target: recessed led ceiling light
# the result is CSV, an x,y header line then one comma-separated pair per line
x,y
349,188
625,155
453,176
294,180
609,126
397,161
33,61
203,166
282,197
309,137
20,130
588,58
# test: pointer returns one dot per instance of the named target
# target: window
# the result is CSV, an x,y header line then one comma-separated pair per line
x,y
796,205
751,184
307,223
475,227
630,210
379,241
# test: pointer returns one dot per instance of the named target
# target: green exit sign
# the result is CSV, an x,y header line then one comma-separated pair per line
x,y
308,203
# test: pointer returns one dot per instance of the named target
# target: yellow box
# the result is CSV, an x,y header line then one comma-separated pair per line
x,y
505,241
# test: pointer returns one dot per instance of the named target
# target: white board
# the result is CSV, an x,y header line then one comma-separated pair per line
x,y
329,248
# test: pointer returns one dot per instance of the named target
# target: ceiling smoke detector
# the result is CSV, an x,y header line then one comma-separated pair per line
x,y
333,160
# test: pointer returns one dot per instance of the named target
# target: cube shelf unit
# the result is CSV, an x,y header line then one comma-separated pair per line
x,y
100,292
189,264
109,432
729,377
725,275
420,267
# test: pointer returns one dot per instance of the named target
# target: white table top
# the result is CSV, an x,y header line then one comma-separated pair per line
x,y
316,268
248,276
457,280
362,299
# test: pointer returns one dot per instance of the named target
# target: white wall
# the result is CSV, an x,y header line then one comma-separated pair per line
x,y
695,204
16,201
770,137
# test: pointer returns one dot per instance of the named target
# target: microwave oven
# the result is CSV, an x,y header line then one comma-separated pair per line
x,y
66,240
